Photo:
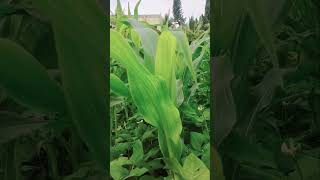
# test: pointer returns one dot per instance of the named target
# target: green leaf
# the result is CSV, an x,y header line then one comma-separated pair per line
x,y
81,57
183,47
118,86
165,61
196,168
151,95
135,38
137,155
149,40
22,76
137,172
196,140
116,169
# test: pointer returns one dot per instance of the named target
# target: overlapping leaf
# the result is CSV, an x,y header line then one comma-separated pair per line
x,y
79,30
151,95
22,76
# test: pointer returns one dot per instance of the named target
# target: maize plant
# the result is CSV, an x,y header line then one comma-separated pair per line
x,y
155,68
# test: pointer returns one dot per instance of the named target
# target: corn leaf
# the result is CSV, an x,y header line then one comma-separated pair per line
x,y
149,40
184,48
165,61
79,30
18,70
118,86
151,95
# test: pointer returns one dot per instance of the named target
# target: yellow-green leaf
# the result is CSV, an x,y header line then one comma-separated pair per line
x,y
165,61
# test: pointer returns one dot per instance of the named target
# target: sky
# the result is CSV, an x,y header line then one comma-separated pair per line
x,y
189,7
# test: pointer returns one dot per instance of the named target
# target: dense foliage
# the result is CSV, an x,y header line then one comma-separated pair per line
x,y
159,101
266,79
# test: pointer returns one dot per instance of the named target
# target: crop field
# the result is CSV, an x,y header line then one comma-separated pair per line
x,y
160,88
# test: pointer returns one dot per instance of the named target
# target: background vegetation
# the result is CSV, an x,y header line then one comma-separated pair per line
x,y
266,76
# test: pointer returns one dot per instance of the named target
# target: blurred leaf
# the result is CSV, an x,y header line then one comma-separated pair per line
x,y
81,56
18,70
223,103
217,164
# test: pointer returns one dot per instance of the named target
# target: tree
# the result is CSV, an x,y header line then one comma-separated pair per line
x,y
207,12
177,12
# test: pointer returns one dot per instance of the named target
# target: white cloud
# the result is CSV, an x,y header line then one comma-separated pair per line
x,y
189,7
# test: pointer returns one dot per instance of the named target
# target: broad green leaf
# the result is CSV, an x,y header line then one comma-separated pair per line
x,y
137,155
80,36
196,168
165,61
196,140
118,86
137,172
184,48
22,76
117,170
136,10
151,95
